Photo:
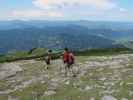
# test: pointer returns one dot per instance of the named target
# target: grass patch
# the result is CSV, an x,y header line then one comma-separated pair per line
x,y
3,85
40,53
31,92
103,52
3,97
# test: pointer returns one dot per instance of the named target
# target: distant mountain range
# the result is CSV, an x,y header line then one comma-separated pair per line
x,y
25,35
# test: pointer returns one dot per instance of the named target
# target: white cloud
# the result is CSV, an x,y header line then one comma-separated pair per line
x,y
72,9
27,13
80,8
123,10
97,4
32,14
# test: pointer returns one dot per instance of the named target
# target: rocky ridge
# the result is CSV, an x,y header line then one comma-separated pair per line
x,y
97,77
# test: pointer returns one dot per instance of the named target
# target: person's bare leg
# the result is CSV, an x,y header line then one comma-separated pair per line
x,y
46,66
72,71
66,69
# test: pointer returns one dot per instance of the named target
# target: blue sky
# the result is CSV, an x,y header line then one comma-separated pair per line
x,y
105,10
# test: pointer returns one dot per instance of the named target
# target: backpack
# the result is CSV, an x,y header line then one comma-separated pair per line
x,y
70,58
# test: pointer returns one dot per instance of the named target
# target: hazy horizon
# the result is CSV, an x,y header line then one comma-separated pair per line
x,y
67,20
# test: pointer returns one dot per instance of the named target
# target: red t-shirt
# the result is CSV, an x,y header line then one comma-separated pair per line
x,y
68,57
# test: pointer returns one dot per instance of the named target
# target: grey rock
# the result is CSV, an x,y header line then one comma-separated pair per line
x,y
124,99
108,97
88,88
92,98
48,93
130,93
12,98
67,82
9,69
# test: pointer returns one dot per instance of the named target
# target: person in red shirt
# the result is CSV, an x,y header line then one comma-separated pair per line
x,y
68,59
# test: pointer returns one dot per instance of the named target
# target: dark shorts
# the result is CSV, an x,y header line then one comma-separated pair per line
x,y
47,61
69,65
